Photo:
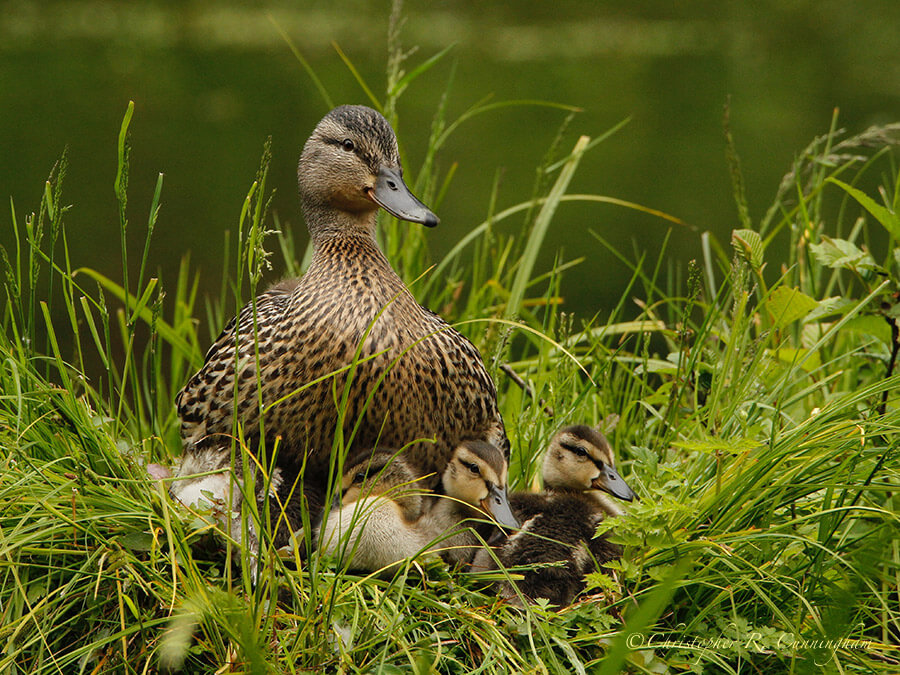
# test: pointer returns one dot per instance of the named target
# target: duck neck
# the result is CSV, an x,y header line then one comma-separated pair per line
x,y
607,503
326,223
349,238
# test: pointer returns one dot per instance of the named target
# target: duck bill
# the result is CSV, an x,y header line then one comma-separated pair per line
x,y
497,505
610,481
393,196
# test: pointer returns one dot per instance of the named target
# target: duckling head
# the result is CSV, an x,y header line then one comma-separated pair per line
x,y
351,164
476,475
382,473
580,458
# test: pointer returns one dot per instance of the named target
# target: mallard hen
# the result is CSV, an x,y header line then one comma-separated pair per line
x,y
415,377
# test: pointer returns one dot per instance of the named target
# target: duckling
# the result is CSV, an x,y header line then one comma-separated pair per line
x,y
381,531
558,525
473,483
374,516
348,327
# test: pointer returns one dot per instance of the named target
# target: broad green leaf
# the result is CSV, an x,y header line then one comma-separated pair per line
x,y
808,361
889,219
840,253
871,324
788,304
137,541
835,305
749,245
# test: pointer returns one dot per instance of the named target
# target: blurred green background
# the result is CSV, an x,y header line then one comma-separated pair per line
x,y
211,80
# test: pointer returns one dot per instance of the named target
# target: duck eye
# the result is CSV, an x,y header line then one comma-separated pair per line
x,y
472,467
576,450
347,144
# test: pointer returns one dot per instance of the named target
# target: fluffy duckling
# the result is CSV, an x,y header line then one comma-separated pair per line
x,y
415,377
474,483
385,474
380,530
558,525
374,517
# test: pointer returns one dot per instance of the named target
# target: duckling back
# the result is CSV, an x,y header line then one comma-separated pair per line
x,y
557,529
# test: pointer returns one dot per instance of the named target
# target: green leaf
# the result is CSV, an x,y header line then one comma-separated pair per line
x,y
137,541
359,78
840,253
889,219
808,361
407,79
833,306
166,331
788,304
871,324
748,244
640,619
541,225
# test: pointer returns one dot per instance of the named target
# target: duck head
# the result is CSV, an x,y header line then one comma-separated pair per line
x,y
580,458
370,474
476,475
351,164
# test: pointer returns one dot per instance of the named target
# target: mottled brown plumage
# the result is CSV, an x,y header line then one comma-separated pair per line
x,y
415,377
558,525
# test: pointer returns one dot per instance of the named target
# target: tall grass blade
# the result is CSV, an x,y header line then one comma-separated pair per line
x,y
539,230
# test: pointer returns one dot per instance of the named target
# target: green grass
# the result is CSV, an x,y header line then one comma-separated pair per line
x,y
757,418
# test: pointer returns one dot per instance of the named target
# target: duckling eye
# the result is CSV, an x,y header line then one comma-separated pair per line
x,y
360,477
347,145
576,450
472,467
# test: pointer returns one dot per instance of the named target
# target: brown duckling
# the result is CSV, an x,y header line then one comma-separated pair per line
x,y
474,483
558,525
349,325
380,530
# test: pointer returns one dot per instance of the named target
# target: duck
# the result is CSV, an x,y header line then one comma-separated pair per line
x,y
380,522
343,358
472,484
559,524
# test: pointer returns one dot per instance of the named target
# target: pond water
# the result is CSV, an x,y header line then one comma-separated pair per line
x,y
211,81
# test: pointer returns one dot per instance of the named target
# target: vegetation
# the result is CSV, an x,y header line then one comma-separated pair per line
x,y
754,410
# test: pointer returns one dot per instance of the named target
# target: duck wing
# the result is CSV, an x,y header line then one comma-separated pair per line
x,y
206,403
